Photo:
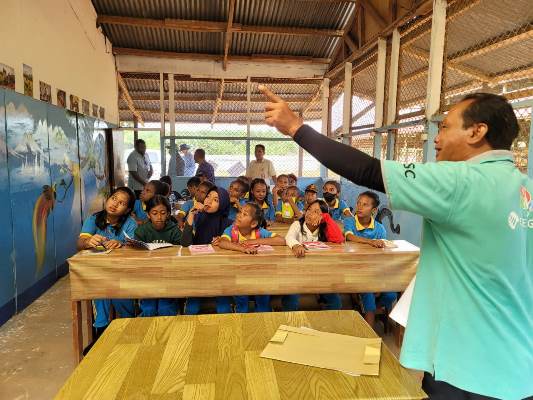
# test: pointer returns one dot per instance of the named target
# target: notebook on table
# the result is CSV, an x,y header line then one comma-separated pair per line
x,y
311,246
139,244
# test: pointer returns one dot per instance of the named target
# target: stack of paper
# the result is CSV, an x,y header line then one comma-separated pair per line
x,y
201,249
316,246
348,354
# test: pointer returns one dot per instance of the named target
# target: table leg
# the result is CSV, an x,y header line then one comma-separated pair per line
x,y
77,333
89,320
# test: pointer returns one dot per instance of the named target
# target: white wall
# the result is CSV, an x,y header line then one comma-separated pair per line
x,y
60,41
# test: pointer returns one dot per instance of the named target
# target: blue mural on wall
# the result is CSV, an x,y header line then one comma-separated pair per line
x,y
7,277
92,150
65,171
32,198
52,170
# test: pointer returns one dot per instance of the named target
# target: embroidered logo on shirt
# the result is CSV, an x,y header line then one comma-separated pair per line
x,y
514,220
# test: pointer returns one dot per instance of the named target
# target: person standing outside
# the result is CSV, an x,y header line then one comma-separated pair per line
x,y
139,167
176,164
470,321
261,167
188,160
205,170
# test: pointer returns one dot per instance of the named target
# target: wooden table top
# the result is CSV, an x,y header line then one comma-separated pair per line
x,y
217,357
174,272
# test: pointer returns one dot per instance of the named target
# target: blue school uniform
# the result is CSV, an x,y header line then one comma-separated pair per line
x,y
268,210
337,210
374,231
233,210
186,207
140,210
123,307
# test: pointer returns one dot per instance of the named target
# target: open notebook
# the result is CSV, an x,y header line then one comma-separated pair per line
x,y
143,245
312,246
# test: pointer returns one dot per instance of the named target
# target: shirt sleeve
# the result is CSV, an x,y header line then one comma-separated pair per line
x,y
175,237
139,233
343,206
185,208
129,227
279,206
266,233
429,189
227,233
132,162
270,215
89,227
348,226
381,232
293,234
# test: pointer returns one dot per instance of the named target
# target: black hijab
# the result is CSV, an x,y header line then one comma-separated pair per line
x,y
209,225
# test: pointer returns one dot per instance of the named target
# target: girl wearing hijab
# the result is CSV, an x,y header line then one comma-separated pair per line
x,y
206,222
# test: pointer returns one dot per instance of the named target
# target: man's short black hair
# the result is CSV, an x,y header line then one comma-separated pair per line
x,y
139,141
193,182
497,113
200,152
260,146
373,196
243,186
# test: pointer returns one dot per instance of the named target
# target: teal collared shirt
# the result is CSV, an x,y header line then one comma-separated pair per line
x,y
471,316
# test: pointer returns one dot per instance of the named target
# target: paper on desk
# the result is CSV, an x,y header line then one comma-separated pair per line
x,y
400,312
349,354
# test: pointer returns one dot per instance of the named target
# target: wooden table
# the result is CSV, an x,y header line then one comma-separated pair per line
x,y
173,272
217,357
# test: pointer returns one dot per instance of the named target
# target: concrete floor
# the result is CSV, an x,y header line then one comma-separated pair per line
x,y
36,347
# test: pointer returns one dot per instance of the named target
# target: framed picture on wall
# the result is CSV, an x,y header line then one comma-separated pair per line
x,y
102,113
27,72
45,91
61,98
95,110
7,76
85,105
74,103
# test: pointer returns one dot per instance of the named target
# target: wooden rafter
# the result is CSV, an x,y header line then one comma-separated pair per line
x,y
127,98
212,26
198,112
202,98
218,102
218,57
231,12
367,5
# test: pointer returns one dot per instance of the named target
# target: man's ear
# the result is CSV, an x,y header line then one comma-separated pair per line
x,y
478,133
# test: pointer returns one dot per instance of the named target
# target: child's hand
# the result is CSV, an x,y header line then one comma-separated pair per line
x,y
112,244
233,199
215,241
95,240
279,218
377,243
251,242
249,250
269,224
298,251
197,208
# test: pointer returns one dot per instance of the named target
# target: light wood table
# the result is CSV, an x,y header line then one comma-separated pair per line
x,y
217,357
173,272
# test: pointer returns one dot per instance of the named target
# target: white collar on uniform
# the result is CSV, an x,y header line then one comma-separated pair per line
x,y
492,155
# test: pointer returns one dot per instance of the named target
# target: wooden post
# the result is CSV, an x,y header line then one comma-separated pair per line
x,y
162,123
347,104
89,320
171,115
393,91
380,93
77,332
248,109
436,64
325,119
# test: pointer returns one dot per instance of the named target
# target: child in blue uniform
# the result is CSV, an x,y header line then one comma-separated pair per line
x,y
237,190
160,228
200,192
245,232
108,229
363,228
289,207
259,195
337,207
150,190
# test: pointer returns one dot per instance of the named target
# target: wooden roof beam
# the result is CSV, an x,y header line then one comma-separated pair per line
x,y
196,112
203,99
212,26
367,5
127,98
231,12
218,57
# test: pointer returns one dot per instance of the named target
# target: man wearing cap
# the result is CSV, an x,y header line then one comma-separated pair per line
x,y
470,326
310,194
188,159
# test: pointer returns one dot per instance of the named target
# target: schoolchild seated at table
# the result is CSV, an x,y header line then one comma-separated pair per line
x,y
149,190
363,228
315,225
337,207
200,192
289,206
259,194
159,228
237,190
244,235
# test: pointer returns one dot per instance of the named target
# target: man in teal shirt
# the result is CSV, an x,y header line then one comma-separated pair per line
x,y
470,323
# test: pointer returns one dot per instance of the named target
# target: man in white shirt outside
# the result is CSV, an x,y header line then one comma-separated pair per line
x,y
261,167
139,167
